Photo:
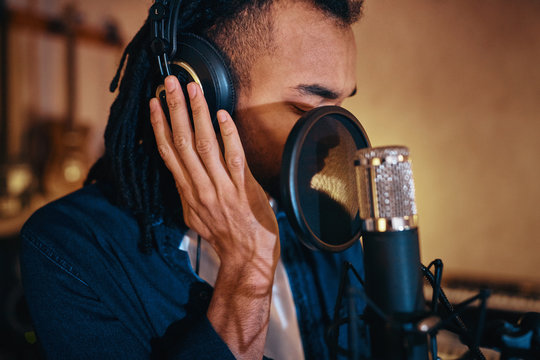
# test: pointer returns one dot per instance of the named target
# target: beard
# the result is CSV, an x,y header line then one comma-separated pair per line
x,y
267,174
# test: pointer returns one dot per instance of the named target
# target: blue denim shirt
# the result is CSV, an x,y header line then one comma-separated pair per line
x,y
93,295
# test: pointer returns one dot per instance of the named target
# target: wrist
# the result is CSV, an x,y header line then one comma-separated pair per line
x,y
255,272
258,249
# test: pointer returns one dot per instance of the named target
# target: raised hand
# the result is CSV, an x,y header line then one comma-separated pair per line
x,y
223,203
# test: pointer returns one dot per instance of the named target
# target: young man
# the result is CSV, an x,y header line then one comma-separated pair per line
x,y
248,289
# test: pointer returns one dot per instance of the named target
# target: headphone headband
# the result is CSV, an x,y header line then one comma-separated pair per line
x,y
189,57
164,27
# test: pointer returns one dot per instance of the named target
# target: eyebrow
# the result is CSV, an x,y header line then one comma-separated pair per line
x,y
321,91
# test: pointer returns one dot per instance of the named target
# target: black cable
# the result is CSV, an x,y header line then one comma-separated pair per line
x,y
450,309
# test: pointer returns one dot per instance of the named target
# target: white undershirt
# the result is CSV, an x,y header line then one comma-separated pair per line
x,y
283,337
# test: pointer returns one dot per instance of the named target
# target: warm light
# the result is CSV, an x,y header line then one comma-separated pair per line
x,y
72,171
18,181
381,225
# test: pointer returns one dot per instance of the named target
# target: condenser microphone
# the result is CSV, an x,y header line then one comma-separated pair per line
x,y
393,278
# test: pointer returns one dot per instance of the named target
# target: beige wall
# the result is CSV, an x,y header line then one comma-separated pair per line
x,y
457,81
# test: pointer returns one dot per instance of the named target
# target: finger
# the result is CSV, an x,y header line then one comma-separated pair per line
x,y
234,152
165,146
182,134
176,103
206,143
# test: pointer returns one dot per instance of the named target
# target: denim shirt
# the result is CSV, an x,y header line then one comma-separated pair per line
x,y
93,295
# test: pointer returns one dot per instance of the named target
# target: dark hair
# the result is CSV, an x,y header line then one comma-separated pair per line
x,y
131,163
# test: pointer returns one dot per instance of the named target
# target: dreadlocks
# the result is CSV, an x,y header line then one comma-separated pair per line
x,y
131,163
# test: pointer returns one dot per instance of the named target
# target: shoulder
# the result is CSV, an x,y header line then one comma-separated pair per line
x,y
87,209
80,225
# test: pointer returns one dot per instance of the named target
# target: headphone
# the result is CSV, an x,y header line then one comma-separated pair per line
x,y
190,58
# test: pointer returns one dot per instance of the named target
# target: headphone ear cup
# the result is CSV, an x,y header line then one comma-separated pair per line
x,y
198,60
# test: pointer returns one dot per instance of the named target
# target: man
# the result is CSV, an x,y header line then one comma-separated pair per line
x,y
218,274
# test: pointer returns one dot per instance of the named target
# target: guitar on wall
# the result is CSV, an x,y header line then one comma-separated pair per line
x,y
67,164
56,148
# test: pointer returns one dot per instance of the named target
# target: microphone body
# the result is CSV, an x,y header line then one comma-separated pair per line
x,y
393,278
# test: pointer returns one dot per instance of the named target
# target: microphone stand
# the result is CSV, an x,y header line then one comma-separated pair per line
x,y
426,326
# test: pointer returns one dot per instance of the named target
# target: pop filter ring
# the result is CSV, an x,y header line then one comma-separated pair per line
x,y
290,195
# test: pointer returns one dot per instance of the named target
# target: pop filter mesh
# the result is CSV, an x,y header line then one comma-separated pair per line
x,y
336,179
321,179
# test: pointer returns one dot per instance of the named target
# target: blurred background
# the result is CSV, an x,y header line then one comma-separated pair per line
x,y
457,81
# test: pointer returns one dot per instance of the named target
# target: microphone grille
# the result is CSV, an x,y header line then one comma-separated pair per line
x,y
385,183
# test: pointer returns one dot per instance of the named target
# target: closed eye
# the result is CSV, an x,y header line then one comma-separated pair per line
x,y
299,109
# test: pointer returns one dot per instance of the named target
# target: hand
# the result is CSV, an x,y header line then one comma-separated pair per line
x,y
224,204
220,198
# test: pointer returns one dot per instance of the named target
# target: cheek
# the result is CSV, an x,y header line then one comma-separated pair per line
x,y
264,133
268,131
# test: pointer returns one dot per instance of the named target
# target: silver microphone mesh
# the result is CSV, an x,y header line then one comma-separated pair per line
x,y
385,183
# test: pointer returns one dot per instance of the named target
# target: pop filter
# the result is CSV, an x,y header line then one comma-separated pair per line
x,y
318,181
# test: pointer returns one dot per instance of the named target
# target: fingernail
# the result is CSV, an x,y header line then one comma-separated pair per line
x,y
222,116
192,90
170,84
153,104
